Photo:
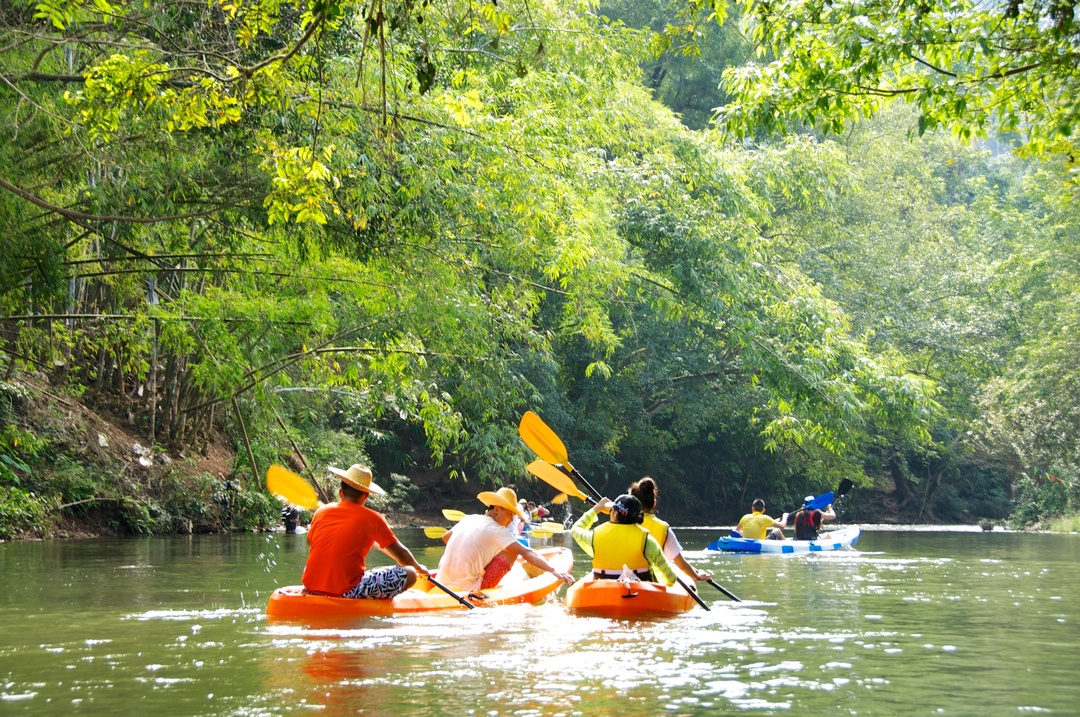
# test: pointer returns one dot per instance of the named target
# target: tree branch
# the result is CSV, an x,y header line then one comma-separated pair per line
x,y
78,216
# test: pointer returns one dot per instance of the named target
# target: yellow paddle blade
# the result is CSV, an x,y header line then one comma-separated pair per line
x,y
539,533
452,515
551,527
555,478
560,499
542,440
291,488
435,533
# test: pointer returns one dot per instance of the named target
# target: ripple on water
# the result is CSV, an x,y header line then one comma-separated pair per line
x,y
214,614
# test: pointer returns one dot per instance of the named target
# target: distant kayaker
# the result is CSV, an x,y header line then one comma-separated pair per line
x,y
646,491
755,525
481,549
622,542
808,520
341,535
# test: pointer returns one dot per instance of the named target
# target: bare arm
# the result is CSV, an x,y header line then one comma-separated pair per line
x,y
403,557
534,558
698,576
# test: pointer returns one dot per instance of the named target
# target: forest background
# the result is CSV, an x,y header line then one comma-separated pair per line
x,y
749,250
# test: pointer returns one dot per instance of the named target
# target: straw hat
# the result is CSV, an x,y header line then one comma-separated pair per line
x,y
504,498
358,477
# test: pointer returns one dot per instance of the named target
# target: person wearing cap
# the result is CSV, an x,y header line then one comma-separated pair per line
x,y
621,542
808,520
340,536
481,549
755,525
646,491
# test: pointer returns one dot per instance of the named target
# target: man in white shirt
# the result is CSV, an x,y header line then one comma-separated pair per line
x,y
481,549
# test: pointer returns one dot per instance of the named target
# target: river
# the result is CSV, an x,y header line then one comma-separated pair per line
x,y
912,622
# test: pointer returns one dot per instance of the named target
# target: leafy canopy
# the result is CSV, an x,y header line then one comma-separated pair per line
x,y
968,66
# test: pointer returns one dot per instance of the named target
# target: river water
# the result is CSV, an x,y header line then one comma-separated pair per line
x,y
912,622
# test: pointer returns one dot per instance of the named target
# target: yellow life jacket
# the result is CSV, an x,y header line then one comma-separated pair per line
x,y
657,528
619,544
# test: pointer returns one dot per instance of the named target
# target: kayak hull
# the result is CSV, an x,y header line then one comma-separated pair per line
x,y
293,604
835,540
614,598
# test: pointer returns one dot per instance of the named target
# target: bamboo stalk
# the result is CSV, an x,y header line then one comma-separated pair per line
x,y
247,441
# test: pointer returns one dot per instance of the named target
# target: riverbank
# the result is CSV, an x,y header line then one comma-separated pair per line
x,y
71,470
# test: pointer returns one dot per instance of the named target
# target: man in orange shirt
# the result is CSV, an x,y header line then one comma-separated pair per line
x,y
340,536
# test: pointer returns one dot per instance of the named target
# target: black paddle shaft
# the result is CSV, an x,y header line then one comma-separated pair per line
x,y
581,479
451,593
722,589
693,594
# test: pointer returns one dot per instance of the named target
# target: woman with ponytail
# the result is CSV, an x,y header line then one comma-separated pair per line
x,y
645,491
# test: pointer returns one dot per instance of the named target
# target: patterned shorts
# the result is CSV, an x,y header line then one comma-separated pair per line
x,y
380,583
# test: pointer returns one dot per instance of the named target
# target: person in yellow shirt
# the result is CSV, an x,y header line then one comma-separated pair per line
x,y
622,542
755,525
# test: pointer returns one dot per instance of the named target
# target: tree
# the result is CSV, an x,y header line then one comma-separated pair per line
x,y
975,68
686,57
401,227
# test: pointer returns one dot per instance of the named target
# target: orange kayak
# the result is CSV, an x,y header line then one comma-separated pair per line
x,y
292,603
614,598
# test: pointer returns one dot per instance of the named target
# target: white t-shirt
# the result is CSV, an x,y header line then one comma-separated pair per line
x,y
474,541
671,545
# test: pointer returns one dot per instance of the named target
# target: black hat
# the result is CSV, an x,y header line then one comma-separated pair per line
x,y
629,509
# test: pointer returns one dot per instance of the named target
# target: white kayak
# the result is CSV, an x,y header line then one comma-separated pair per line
x,y
835,540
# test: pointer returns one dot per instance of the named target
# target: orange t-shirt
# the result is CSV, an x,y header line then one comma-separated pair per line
x,y
340,536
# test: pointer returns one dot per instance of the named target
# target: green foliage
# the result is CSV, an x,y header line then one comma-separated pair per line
x,y
687,57
973,68
71,482
18,447
1068,524
21,512
400,496
254,510
349,248
1038,501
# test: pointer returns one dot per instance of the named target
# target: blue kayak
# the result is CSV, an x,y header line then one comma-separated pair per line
x,y
835,540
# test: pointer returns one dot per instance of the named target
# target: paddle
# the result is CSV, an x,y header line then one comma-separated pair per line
x,y
693,593
542,530
291,488
450,592
557,500
452,515
824,500
722,589
556,479
544,443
